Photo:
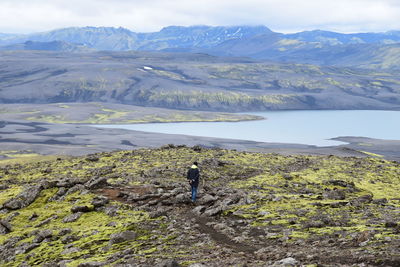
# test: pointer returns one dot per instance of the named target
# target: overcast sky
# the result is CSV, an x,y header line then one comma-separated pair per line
x,y
25,16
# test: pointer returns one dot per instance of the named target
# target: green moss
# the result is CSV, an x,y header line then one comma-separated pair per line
x,y
287,195
9,193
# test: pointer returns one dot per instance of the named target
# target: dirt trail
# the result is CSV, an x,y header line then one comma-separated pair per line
x,y
182,212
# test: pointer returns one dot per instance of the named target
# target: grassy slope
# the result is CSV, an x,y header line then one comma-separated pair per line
x,y
288,201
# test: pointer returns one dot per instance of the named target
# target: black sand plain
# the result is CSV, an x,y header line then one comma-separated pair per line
x,y
69,139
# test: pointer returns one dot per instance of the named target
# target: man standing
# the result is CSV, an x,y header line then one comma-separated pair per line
x,y
193,176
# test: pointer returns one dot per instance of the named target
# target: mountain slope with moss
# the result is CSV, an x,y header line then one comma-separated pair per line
x,y
132,208
191,82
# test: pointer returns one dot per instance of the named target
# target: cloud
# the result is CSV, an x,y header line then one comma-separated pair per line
x,y
151,15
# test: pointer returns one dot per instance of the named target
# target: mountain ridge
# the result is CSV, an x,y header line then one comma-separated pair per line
x,y
366,50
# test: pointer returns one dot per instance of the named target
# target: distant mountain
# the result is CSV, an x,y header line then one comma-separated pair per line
x,y
196,36
366,50
47,46
120,39
101,38
334,38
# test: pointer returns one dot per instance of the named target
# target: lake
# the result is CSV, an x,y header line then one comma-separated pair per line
x,y
312,127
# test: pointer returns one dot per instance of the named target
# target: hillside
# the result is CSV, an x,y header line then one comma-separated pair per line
x,y
190,81
131,208
273,47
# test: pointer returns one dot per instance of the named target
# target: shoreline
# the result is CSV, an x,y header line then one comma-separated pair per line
x,y
75,140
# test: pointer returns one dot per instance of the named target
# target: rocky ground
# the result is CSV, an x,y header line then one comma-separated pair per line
x,y
132,208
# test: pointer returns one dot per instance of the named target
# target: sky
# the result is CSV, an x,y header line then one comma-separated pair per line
x,y
347,16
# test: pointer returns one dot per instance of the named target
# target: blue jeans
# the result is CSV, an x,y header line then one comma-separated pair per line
x,y
194,193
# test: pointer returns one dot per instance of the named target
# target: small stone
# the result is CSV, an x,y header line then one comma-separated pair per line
x,y
81,209
69,239
168,263
46,221
263,213
287,262
90,264
65,231
390,224
5,227
70,250
72,217
380,201
33,217
157,213
92,158
3,186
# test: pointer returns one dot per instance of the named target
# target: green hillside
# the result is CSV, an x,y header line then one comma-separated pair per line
x,y
131,208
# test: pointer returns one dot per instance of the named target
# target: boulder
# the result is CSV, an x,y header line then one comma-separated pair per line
x,y
67,183
42,235
111,211
207,199
97,182
212,212
182,198
99,201
336,194
122,237
198,210
24,199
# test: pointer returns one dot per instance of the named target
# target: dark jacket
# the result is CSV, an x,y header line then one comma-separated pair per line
x,y
193,175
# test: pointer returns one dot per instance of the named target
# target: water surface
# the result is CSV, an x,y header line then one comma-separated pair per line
x,y
312,127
